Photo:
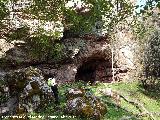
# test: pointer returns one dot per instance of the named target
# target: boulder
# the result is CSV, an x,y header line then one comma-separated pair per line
x,y
30,89
4,96
83,103
18,53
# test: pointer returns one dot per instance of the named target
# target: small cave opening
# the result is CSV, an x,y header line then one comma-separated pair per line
x,y
95,69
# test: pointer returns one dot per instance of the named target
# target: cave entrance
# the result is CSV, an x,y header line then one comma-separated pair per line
x,y
95,69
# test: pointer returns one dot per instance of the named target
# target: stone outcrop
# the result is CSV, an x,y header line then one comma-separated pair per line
x,y
91,59
90,53
81,54
87,48
28,89
16,53
4,46
82,103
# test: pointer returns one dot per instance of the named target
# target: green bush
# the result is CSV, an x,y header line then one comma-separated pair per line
x,y
44,48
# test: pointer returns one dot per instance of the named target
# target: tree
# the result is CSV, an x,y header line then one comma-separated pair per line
x,y
80,17
147,32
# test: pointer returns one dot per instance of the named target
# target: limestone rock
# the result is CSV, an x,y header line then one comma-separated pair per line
x,y
82,103
66,73
29,87
4,46
17,53
73,93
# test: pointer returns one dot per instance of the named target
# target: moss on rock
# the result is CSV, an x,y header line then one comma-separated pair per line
x,y
84,104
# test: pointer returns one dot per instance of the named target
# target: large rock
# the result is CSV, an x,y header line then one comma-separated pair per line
x,y
4,46
80,49
19,53
30,89
4,96
82,103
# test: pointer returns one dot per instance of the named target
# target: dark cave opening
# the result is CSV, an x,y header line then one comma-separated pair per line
x,y
93,70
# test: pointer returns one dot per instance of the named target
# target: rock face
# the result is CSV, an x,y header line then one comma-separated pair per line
x,y
4,96
87,53
15,53
28,88
91,60
4,46
82,103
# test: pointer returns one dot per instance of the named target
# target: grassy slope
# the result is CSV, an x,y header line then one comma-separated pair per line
x,y
134,92
131,90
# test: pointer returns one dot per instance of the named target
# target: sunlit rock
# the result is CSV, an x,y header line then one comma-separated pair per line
x,y
29,87
82,103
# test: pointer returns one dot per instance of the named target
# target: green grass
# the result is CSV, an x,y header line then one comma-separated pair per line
x,y
131,90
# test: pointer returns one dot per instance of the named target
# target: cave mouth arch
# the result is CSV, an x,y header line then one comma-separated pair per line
x,y
94,69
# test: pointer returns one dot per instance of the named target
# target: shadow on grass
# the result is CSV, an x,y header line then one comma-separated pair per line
x,y
152,91
116,113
